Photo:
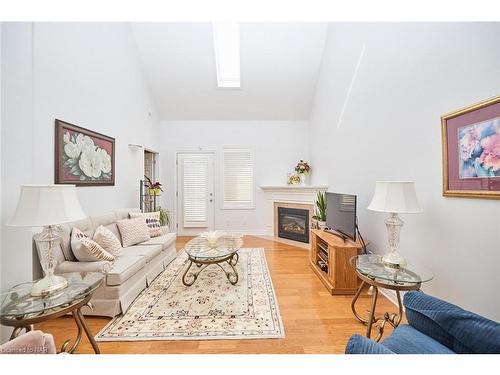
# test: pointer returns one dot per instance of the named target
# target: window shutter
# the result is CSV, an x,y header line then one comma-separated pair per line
x,y
238,172
195,194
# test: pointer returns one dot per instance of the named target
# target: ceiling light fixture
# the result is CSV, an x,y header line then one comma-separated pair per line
x,y
227,53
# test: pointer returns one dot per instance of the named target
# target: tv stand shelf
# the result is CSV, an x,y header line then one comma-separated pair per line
x,y
335,272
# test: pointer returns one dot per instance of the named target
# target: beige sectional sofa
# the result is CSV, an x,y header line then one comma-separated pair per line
x,y
128,275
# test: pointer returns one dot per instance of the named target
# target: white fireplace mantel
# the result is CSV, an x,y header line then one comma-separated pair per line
x,y
294,188
287,194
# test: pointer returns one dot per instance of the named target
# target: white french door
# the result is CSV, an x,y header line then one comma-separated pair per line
x,y
195,192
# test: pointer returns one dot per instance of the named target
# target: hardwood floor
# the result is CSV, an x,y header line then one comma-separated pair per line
x,y
315,321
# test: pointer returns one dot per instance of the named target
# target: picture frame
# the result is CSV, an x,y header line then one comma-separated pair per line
x,y
83,157
470,144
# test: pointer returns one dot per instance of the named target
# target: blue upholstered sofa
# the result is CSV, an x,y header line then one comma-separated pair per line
x,y
435,327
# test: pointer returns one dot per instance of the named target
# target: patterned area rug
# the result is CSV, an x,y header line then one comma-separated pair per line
x,y
210,309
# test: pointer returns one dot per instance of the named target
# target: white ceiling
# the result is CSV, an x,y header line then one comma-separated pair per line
x,y
279,67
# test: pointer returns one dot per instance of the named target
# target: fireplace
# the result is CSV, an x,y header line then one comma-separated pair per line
x,y
293,224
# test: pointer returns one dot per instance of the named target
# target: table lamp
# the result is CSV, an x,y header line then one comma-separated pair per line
x,y
47,206
394,197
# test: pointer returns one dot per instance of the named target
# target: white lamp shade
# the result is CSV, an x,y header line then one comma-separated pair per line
x,y
395,196
42,205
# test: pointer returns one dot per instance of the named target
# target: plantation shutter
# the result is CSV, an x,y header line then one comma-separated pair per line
x,y
195,192
238,178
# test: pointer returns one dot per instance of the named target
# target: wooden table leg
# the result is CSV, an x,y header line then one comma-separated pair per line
x,y
89,334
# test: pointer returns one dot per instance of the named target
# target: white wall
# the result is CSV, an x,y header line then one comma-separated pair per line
x,y
278,147
409,76
88,74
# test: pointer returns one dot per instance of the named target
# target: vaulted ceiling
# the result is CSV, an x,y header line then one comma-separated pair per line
x,y
279,67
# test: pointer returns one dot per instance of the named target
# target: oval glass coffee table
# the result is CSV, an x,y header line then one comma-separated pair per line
x,y
21,310
372,271
203,253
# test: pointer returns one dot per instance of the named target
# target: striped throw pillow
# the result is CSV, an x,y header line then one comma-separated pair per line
x,y
86,249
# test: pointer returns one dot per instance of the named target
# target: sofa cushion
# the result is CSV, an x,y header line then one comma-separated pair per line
x,y
148,252
407,340
123,269
165,241
133,231
462,331
123,213
358,344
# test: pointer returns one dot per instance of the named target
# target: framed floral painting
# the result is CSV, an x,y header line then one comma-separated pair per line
x,y
471,151
83,157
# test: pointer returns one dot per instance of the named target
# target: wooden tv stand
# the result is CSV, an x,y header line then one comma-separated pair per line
x,y
338,276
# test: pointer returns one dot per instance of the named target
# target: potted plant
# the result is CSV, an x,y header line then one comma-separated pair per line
x,y
164,216
154,187
302,168
321,209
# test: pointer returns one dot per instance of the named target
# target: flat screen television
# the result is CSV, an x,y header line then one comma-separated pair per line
x,y
341,214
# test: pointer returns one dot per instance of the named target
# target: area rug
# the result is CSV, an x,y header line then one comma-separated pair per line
x,y
210,309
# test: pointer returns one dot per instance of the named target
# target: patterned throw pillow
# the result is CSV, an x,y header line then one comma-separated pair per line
x,y
133,231
87,250
107,239
152,221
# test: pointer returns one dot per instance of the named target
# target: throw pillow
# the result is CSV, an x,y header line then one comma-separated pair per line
x,y
87,250
152,220
107,239
133,231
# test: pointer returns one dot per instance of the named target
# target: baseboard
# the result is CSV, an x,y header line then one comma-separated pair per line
x,y
391,296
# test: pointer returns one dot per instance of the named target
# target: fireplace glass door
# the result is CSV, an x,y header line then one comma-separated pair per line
x,y
293,224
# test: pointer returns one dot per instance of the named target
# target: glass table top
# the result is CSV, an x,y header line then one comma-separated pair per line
x,y
371,266
214,248
18,302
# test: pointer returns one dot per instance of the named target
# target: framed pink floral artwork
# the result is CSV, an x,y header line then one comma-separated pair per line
x,y
83,157
471,151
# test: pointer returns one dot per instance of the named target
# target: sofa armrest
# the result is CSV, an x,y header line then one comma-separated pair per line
x,y
33,342
100,266
460,330
358,344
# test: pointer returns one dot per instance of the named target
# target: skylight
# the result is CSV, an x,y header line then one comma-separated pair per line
x,y
227,53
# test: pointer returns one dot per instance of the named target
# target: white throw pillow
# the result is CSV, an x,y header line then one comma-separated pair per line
x,y
107,239
133,231
152,220
87,250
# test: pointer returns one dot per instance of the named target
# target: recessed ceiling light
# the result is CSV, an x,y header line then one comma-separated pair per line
x,y
227,53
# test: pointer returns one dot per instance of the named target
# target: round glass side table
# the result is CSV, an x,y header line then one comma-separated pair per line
x,y
203,253
372,271
21,310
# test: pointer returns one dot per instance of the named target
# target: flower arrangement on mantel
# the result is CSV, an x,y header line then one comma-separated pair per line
x,y
154,187
302,167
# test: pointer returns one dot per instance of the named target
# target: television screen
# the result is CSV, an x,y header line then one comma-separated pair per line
x,y
341,214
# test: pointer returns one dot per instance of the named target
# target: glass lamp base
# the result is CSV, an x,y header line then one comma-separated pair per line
x,y
50,284
394,260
